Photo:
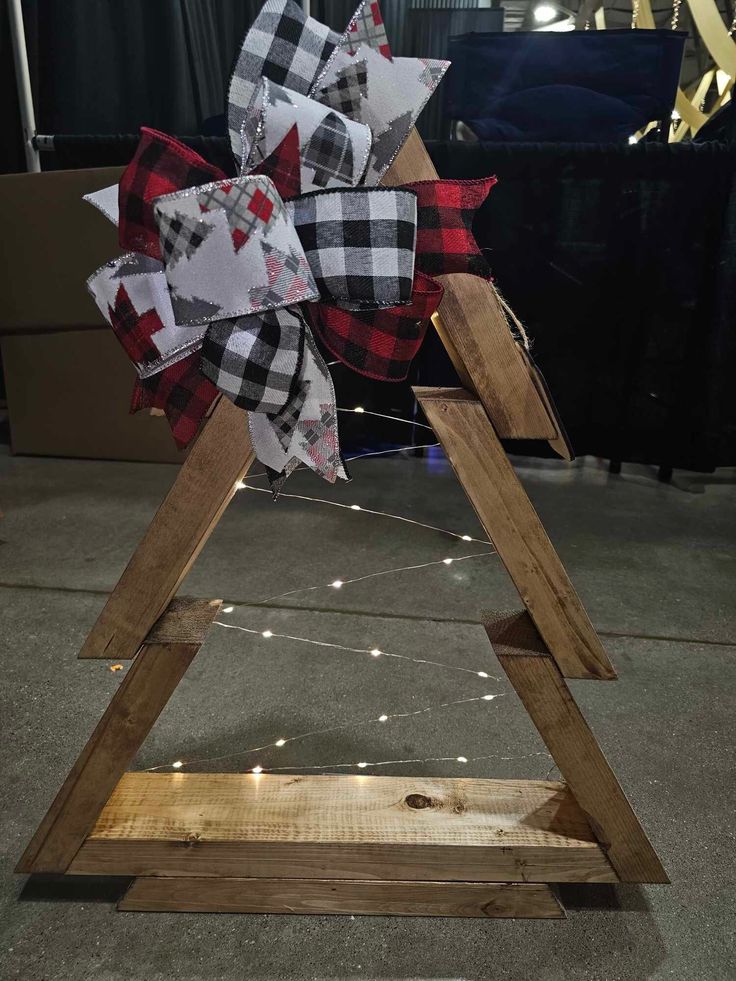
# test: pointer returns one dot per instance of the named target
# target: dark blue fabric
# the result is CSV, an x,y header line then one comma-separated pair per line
x,y
580,86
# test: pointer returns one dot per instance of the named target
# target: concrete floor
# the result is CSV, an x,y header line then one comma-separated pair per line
x,y
655,565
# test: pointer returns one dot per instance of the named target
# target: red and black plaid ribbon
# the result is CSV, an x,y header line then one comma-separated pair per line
x,y
445,213
161,165
283,166
182,392
380,344
133,329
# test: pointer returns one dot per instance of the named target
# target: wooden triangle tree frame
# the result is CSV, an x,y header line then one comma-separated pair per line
x,y
344,844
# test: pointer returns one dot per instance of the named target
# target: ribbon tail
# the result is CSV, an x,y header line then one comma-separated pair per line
x,y
305,431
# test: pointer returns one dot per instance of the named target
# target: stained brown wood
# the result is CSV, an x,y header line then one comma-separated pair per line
x,y
509,518
342,827
474,329
202,490
111,748
357,897
553,710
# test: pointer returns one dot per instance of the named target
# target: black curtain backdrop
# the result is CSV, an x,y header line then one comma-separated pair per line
x,y
109,67
621,262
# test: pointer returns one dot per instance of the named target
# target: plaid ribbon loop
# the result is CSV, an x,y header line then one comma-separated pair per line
x,y
332,149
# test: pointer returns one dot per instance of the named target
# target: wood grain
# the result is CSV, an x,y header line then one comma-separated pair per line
x,y
573,746
323,826
185,621
357,897
110,750
512,524
476,333
202,490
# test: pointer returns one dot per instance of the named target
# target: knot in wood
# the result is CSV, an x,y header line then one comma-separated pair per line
x,y
418,801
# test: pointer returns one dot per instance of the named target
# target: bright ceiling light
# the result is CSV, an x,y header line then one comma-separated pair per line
x,y
544,13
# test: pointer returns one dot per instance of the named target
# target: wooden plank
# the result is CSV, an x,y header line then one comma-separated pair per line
x,y
553,710
357,897
346,827
476,333
206,482
513,525
110,750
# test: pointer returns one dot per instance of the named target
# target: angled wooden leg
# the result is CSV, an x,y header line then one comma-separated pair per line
x,y
203,488
138,702
505,511
553,710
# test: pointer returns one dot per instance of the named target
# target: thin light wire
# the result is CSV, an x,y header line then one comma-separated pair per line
x,y
427,759
396,449
359,507
268,634
280,743
371,575
359,410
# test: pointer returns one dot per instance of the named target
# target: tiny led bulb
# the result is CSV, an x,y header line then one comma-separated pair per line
x,y
362,765
358,408
375,652
267,633
228,609
240,485
178,765
447,561
462,759
355,507
467,538
280,742
383,718
482,674
257,769
488,698
336,584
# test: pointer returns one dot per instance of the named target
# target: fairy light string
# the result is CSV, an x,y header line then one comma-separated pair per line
x,y
373,652
352,724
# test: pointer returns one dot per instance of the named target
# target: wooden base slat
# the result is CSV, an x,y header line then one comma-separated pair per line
x,y
202,490
342,827
507,514
326,896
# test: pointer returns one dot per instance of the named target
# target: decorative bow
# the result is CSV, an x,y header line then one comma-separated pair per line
x,y
225,276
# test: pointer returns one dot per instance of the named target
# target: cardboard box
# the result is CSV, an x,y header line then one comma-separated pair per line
x,y
69,394
68,381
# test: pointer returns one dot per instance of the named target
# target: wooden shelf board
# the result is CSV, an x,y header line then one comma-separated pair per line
x,y
323,826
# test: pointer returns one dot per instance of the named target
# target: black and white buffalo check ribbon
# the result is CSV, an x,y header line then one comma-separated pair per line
x,y
359,244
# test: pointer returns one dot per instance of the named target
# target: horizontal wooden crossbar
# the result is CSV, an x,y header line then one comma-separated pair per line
x,y
343,827
346,896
